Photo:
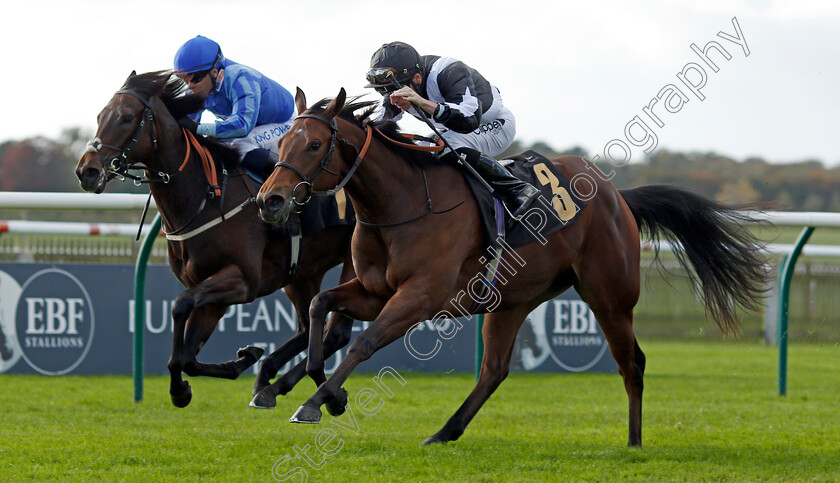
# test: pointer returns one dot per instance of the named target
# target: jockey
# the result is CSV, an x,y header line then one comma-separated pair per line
x,y
466,109
253,112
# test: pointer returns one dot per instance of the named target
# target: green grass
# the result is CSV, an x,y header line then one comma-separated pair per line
x,y
711,413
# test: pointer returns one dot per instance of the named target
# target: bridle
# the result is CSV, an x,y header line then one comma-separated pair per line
x,y
309,180
119,165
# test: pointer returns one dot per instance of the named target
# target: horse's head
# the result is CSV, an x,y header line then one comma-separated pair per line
x,y
310,161
125,131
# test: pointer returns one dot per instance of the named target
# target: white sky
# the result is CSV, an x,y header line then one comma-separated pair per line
x,y
574,73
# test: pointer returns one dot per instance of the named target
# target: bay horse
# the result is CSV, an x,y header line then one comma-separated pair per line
x,y
218,246
413,262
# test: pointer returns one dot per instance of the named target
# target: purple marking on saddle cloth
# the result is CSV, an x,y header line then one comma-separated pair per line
x,y
491,275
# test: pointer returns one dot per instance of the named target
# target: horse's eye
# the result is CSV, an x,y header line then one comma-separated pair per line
x,y
315,146
128,118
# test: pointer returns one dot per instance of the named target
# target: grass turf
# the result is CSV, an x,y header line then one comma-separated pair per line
x,y
710,413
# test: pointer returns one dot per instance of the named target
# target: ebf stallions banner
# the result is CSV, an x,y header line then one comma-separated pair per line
x,y
79,319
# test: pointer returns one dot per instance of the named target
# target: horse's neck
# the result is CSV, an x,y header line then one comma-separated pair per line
x,y
182,197
385,187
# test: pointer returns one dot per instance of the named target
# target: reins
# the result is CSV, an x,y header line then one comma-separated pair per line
x,y
438,143
436,148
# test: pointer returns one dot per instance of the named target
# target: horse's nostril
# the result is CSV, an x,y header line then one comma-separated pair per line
x,y
90,173
274,202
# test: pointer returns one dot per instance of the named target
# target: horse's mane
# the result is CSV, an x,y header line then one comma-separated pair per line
x,y
173,92
389,129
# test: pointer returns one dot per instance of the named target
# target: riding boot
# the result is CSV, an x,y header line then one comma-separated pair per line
x,y
259,161
516,194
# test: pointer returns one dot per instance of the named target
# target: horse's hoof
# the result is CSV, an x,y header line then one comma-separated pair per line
x,y
258,387
182,400
306,415
337,406
251,352
264,400
435,439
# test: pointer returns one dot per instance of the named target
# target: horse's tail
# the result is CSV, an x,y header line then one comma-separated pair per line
x,y
712,238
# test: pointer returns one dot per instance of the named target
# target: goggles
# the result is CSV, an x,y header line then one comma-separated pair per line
x,y
383,80
196,77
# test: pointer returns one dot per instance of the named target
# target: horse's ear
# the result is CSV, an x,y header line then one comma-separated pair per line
x,y
300,101
133,73
336,105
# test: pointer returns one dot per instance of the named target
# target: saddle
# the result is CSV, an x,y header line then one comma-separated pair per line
x,y
557,207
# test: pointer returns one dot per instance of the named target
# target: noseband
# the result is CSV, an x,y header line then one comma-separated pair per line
x,y
309,181
119,164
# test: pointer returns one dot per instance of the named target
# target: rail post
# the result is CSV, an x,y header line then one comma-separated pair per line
x,y
140,305
786,274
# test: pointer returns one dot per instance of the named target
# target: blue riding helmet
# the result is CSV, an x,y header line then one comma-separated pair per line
x,y
198,54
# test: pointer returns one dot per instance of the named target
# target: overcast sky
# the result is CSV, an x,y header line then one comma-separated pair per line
x,y
573,73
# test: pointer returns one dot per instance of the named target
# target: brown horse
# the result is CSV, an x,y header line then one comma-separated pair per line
x,y
409,271
218,246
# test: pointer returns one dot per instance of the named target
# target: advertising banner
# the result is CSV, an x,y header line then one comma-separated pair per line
x,y
79,319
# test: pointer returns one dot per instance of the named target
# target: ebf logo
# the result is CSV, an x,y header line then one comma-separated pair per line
x,y
54,322
564,330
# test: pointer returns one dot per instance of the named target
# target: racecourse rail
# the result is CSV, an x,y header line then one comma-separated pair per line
x,y
86,201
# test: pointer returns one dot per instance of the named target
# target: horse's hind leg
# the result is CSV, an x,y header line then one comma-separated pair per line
x,y
631,365
615,315
200,326
608,280
498,334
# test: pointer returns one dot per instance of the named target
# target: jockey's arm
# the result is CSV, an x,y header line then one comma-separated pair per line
x,y
245,100
461,109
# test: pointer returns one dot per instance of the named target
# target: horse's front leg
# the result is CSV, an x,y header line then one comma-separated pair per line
x,y
179,389
301,295
195,313
339,330
355,303
412,303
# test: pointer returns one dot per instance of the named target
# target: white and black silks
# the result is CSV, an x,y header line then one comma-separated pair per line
x,y
470,113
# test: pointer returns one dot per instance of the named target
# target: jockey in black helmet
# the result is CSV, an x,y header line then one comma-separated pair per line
x,y
466,109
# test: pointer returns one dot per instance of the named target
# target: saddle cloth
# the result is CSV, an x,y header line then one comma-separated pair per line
x,y
557,207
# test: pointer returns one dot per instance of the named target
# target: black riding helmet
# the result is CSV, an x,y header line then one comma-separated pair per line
x,y
395,60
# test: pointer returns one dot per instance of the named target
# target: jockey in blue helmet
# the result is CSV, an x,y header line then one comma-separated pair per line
x,y
252,111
